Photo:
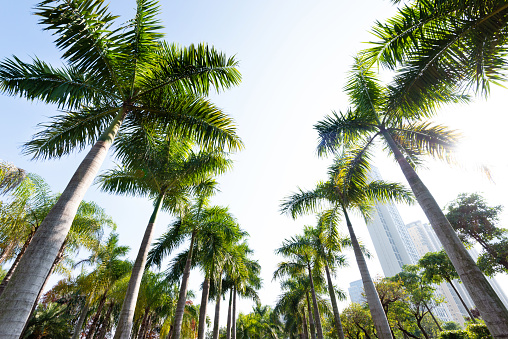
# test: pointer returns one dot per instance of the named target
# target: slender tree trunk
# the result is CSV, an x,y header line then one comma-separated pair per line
x,y
148,328
180,306
7,252
434,318
217,308
124,327
8,276
96,317
304,325
376,309
81,321
462,301
311,319
484,297
317,316
105,326
228,327
202,308
26,282
143,323
233,329
333,298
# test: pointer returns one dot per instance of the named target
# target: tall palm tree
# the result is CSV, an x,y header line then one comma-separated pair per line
x,y
167,171
348,189
408,140
211,229
115,80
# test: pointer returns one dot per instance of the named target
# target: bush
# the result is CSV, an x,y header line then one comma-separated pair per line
x,y
458,334
478,331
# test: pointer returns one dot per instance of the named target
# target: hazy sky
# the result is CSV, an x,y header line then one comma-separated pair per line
x,y
294,57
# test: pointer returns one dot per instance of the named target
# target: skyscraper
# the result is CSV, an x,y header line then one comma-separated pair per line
x,y
391,240
355,292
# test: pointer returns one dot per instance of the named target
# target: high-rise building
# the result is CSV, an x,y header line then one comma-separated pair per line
x,y
391,240
355,292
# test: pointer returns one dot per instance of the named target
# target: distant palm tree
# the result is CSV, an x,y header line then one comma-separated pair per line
x,y
116,80
348,188
211,229
327,244
374,114
300,255
169,172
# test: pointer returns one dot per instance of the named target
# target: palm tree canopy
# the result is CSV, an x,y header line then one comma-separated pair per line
x,y
164,167
348,187
110,68
435,44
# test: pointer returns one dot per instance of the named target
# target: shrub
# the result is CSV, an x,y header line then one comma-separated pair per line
x,y
478,331
458,334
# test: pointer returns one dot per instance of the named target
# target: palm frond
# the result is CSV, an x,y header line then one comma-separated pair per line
x,y
70,131
83,30
423,138
303,201
194,118
166,243
66,87
191,69
341,130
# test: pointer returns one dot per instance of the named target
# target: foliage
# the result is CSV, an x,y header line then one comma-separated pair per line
x,y
478,331
457,334
262,322
451,326
49,321
477,222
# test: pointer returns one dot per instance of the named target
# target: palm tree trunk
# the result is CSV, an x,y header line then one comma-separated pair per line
x,y
217,308
484,297
57,261
336,315
317,316
376,309
124,328
26,282
8,276
311,319
233,329
304,325
202,308
180,306
104,327
7,252
228,327
462,301
143,323
95,320
81,321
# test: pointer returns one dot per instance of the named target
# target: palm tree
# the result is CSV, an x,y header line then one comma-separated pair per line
x,y
243,285
125,76
109,268
86,230
408,139
301,255
295,297
210,228
443,43
167,171
348,189
326,243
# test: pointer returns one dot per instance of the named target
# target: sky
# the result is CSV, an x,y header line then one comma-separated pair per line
x,y
294,57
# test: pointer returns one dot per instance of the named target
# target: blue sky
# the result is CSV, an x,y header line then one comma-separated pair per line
x,y
294,57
